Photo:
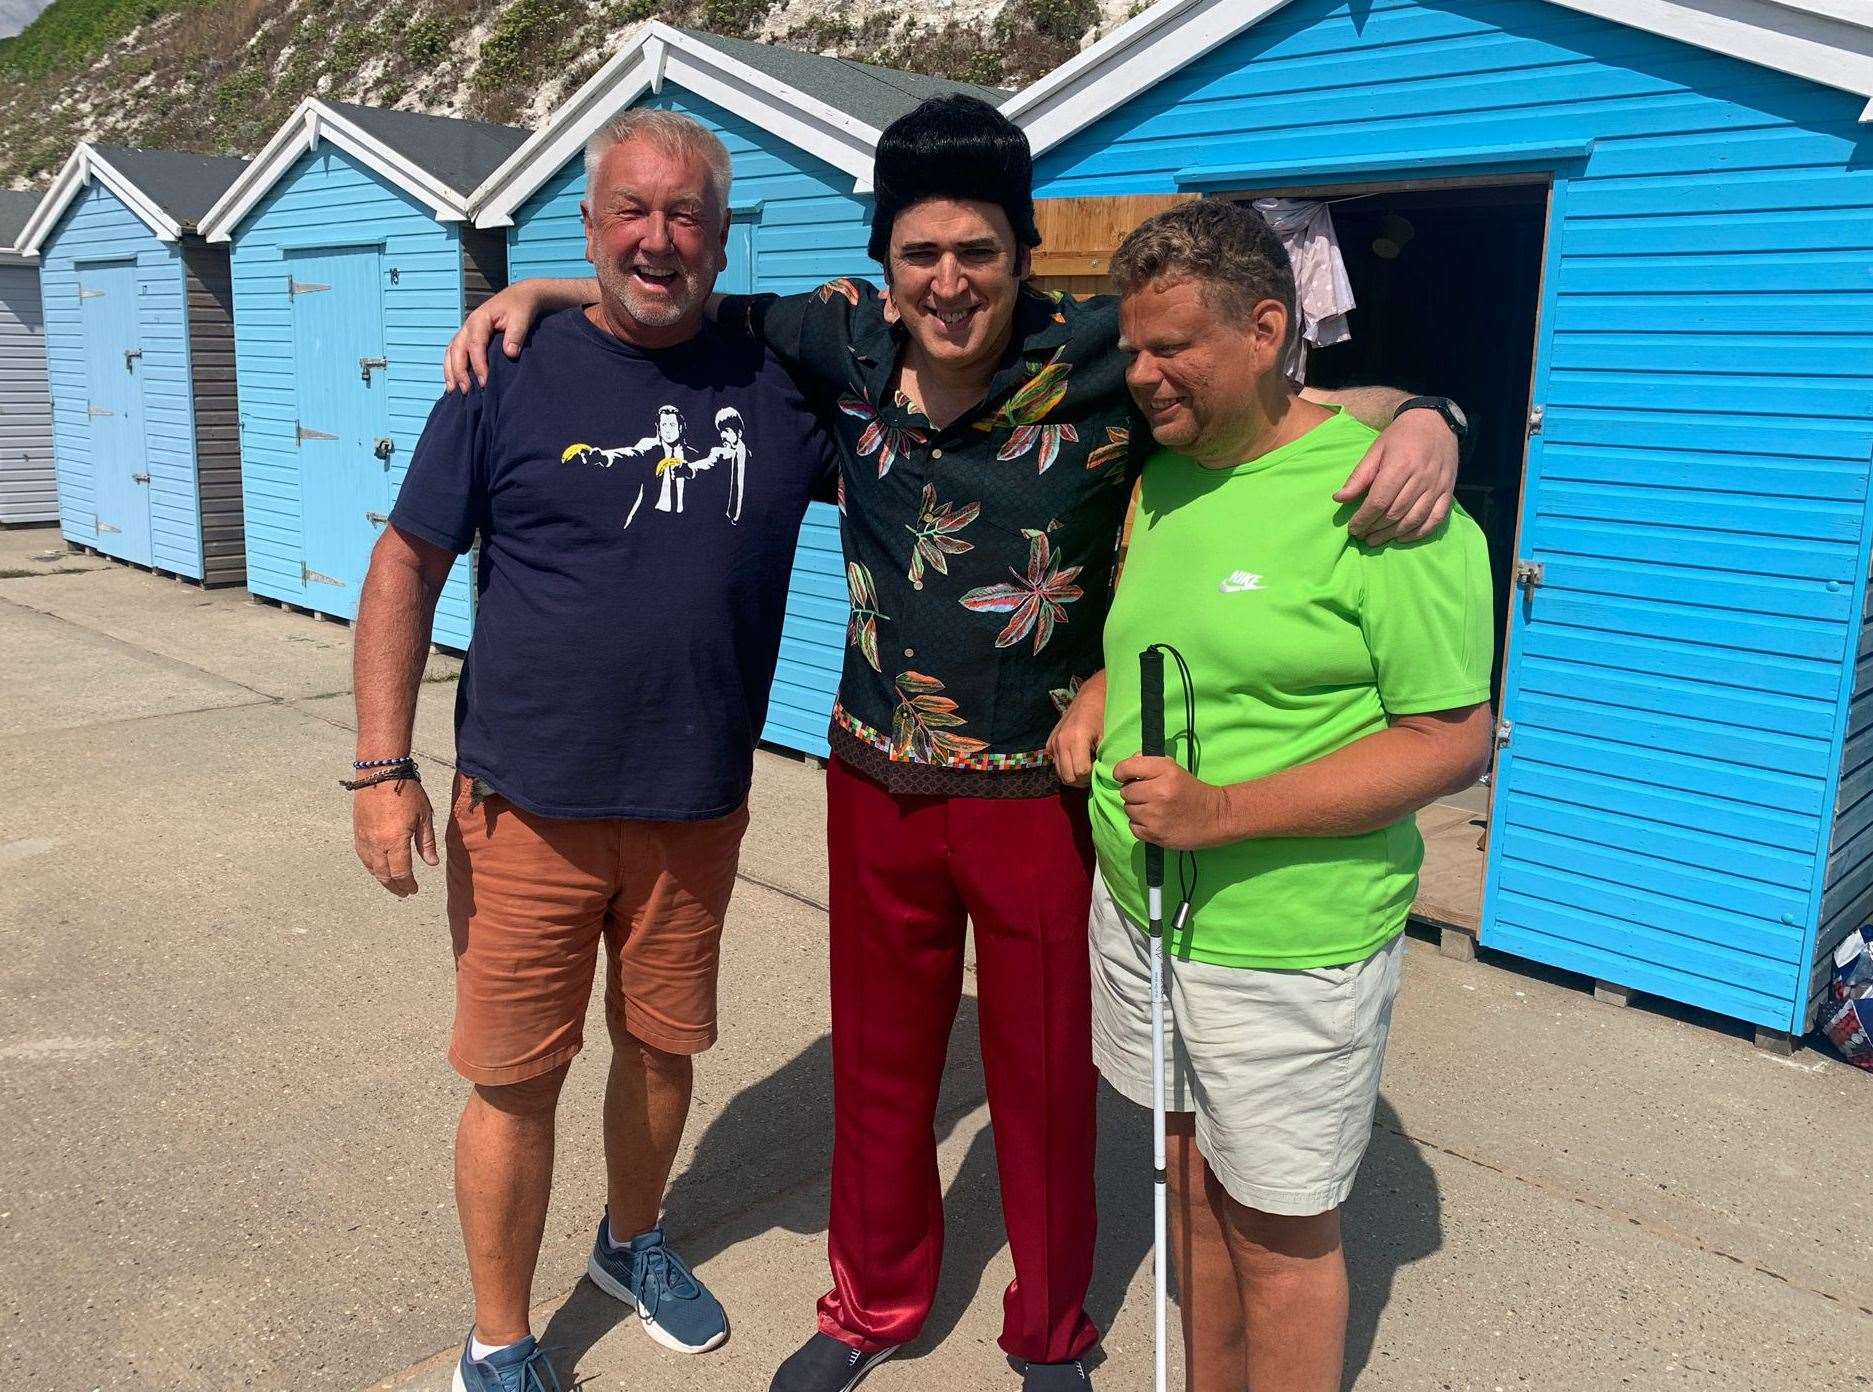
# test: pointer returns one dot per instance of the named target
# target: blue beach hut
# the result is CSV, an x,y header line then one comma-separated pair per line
x,y
28,490
801,130
139,350
353,262
1637,240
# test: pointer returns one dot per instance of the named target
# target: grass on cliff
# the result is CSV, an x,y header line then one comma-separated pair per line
x,y
70,33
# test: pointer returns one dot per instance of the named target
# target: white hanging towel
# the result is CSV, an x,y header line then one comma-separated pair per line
x,y
1305,227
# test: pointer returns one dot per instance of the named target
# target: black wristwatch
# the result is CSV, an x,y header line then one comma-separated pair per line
x,y
1451,412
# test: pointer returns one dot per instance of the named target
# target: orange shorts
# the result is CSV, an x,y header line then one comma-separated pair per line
x,y
530,898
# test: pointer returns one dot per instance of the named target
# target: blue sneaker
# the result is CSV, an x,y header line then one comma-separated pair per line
x,y
677,1309
521,1367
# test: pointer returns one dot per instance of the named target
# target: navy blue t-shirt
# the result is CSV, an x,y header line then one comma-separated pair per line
x,y
638,512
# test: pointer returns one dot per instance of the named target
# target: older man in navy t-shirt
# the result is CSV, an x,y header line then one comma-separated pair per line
x,y
637,483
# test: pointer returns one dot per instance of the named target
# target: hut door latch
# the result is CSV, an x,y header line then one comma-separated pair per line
x,y
131,357
1529,576
384,448
367,365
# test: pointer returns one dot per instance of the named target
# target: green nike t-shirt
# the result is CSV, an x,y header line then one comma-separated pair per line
x,y
1300,640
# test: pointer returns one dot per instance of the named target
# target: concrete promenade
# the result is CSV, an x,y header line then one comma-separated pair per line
x,y
226,1152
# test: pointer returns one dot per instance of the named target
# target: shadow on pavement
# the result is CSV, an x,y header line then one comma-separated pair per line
x,y
1392,1220
763,1165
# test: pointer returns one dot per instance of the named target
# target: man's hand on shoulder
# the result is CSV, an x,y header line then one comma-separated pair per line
x,y
512,313
1405,482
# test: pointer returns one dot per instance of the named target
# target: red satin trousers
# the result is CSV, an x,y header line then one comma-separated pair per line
x,y
907,874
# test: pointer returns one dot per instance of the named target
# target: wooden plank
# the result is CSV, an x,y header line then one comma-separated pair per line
x,y
1079,235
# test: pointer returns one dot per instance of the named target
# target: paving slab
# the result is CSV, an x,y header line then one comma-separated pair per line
x,y
56,675
28,551
270,651
1677,1125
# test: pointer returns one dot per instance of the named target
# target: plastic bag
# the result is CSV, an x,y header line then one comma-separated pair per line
x,y
1847,1015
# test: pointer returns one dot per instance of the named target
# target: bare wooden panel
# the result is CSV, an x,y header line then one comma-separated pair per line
x,y
1079,286
484,265
217,419
1079,235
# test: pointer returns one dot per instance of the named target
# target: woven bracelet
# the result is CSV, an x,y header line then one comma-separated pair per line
x,y
383,763
407,774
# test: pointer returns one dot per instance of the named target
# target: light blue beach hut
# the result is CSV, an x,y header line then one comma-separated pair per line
x,y
139,350
1637,240
28,490
353,263
801,130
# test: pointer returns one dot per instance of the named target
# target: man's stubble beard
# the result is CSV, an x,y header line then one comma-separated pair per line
x,y
618,286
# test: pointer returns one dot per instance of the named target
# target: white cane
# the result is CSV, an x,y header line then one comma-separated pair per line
x,y
1151,723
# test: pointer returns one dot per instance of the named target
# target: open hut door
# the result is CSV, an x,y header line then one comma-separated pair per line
x,y
1079,235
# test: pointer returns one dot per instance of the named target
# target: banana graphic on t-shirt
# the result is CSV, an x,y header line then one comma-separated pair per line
x,y
677,461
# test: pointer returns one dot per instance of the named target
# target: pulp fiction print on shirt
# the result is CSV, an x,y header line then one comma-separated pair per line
x,y
675,461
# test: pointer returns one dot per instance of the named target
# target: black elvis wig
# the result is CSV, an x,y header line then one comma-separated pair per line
x,y
953,147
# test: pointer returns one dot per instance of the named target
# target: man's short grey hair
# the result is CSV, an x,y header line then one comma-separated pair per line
x,y
671,132
1226,248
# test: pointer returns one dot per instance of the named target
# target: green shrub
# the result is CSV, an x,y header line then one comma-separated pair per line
x,y
70,33
426,42
525,40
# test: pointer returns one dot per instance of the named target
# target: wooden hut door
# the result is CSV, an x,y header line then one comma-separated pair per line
x,y
343,427
114,367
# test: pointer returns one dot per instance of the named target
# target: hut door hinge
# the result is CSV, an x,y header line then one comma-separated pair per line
x,y
376,519
139,478
303,433
295,288
109,527
88,294
96,411
1504,731
312,577
367,365
1530,576
1534,420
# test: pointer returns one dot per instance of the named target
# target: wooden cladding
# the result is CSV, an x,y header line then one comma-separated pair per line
x,y
1079,235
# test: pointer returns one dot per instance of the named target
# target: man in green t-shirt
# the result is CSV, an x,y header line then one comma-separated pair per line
x,y
1333,689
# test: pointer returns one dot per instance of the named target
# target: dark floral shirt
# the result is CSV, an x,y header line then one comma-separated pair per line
x,y
979,557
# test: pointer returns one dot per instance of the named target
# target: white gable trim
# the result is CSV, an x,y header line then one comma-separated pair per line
x,y
84,166
1825,41
659,54
312,123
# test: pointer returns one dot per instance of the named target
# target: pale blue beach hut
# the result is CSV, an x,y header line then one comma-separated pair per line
x,y
353,262
140,354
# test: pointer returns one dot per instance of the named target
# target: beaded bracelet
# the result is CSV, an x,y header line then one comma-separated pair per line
x,y
382,763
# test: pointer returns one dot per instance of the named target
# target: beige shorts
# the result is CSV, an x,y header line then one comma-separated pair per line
x,y
1281,1067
